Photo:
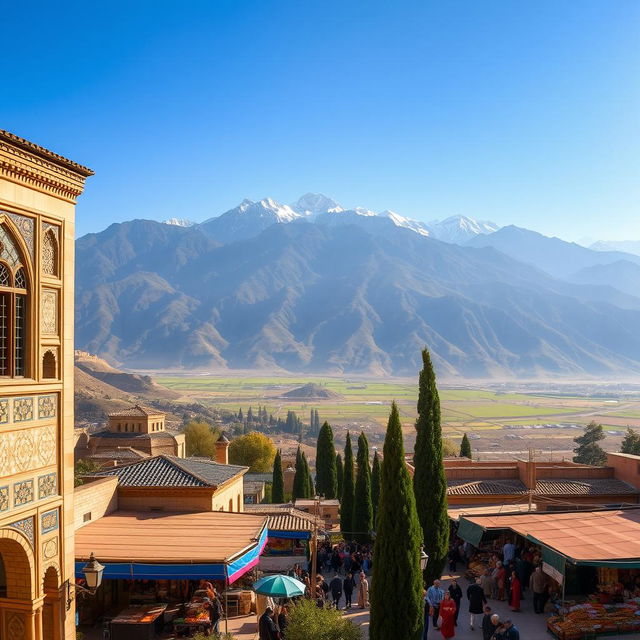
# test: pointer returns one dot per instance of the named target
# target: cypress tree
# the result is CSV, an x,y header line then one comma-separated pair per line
x,y
308,487
300,478
588,450
429,480
375,487
362,508
326,474
339,474
465,447
346,504
396,588
240,416
277,486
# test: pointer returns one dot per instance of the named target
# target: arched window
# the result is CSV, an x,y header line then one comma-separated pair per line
x,y
50,254
14,295
49,365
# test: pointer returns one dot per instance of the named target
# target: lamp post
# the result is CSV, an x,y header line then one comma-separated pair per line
x,y
92,571
424,558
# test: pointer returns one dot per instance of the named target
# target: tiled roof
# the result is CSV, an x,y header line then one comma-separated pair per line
x,y
129,435
169,471
137,411
282,517
482,487
253,487
583,487
119,453
258,477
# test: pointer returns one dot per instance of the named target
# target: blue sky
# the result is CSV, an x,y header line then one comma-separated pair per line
x,y
521,112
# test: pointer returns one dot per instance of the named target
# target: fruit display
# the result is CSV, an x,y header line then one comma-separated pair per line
x,y
593,618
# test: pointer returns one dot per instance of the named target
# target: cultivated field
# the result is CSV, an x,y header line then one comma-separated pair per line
x,y
497,420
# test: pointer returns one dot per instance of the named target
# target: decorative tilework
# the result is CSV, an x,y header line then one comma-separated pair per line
x,y
4,498
50,548
26,526
22,492
47,485
15,627
23,449
49,312
12,449
25,226
49,521
22,409
47,406
4,410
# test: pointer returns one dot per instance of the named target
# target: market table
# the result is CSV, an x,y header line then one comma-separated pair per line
x,y
142,622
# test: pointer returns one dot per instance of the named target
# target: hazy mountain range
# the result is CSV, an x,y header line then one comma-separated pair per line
x,y
315,287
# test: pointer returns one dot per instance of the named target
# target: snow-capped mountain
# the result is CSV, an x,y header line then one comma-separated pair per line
x,y
249,219
460,229
313,204
179,222
400,221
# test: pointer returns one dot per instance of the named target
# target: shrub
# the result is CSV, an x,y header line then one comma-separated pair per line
x,y
308,622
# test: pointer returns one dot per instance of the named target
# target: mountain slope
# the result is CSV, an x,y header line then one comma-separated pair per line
x,y
552,255
325,298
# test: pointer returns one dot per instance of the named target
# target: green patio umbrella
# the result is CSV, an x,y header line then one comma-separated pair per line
x,y
279,586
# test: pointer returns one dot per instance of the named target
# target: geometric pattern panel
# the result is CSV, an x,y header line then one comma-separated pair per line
x,y
26,526
4,498
47,485
4,410
25,226
49,521
47,406
50,549
49,312
27,449
22,409
22,492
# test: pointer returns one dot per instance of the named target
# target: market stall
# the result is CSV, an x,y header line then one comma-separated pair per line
x,y
138,623
165,555
593,555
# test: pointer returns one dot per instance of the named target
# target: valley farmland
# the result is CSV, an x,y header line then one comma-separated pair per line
x,y
499,419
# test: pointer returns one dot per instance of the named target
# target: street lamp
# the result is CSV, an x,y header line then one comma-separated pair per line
x,y
92,571
424,558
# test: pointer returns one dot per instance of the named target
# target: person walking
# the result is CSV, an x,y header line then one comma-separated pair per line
x,y
283,618
477,600
267,629
538,585
425,628
335,586
516,592
489,623
434,597
447,616
363,591
511,632
348,585
456,595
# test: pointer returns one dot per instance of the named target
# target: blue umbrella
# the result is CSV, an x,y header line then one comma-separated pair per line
x,y
279,586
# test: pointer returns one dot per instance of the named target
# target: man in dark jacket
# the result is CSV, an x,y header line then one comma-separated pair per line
x,y
477,600
348,585
456,596
266,626
335,586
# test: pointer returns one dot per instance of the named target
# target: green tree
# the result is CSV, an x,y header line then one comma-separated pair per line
x,y
253,450
339,474
300,479
375,487
429,480
277,486
348,488
362,507
631,443
465,447
309,622
82,468
326,474
396,589
588,450
200,440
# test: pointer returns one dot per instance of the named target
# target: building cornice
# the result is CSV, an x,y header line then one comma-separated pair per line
x,y
38,168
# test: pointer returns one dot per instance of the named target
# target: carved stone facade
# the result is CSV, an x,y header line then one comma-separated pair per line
x,y
38,190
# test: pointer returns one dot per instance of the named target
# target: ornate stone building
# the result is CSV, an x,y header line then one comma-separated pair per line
x,y
38,192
